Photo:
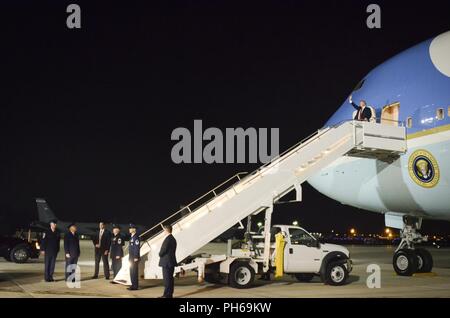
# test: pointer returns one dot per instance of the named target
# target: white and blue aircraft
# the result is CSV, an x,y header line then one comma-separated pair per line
x,y
411,89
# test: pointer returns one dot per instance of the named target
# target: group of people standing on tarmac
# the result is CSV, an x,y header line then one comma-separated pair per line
x,y
107,245
50,248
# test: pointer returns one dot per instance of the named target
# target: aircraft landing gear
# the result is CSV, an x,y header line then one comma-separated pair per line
x,y
408,259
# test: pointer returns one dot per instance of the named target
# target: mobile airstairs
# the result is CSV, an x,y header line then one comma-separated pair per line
x,y
242,196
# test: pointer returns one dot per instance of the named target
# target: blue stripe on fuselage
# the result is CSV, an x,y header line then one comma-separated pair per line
x,y
411,79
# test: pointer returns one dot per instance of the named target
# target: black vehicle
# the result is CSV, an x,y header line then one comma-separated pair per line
x,y
18,250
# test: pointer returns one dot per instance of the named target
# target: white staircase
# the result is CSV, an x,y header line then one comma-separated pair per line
x,y
218,210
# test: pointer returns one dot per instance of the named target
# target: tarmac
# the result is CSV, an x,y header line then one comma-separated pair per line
x,y
26,280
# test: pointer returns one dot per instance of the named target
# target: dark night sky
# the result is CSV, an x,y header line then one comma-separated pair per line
x,y
86,115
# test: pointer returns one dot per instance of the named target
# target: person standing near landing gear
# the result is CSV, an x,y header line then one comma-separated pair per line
x,y
134,257
116,249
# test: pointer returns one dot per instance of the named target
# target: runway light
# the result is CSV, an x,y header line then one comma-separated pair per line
x,y
295,223
352,231
390,235
387,231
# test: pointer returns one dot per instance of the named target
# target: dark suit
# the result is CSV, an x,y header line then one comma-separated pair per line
x,y
365,115
100,252
168,262
50,246
71,247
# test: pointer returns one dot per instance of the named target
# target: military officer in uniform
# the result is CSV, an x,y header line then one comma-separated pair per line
x,y
134,257
50,248
71,248
116,249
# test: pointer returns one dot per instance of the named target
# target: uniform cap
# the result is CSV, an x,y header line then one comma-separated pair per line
x,y
71,224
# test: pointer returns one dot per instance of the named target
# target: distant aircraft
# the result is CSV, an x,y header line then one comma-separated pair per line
x,y
45,215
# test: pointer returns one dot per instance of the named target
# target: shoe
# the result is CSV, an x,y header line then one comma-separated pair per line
x,y
107,278
132,288
94,277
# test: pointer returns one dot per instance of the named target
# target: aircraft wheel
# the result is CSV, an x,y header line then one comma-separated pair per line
x,y
424,261
405,262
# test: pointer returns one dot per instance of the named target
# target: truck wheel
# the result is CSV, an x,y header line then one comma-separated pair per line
x,y
304,277
241,275
20,253
405,262
424,261
336,274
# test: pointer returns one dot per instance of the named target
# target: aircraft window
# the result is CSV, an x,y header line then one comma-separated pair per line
x,y
440,113
300,237
359,85
409,122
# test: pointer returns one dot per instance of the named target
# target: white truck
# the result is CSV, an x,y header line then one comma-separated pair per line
x,y
303,257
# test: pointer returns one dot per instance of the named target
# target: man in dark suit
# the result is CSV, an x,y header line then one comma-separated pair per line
x,y
168,261
363,112
71,249
50,248
102,243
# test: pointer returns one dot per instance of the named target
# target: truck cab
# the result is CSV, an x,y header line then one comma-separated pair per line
x,y
305,257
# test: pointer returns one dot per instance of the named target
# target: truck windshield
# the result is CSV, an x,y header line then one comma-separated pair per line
x,y
300,237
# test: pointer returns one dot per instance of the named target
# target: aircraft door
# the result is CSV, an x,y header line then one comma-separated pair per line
x,y
390,114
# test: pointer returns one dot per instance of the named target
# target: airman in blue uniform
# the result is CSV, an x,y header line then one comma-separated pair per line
x,y
116,249
134,257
